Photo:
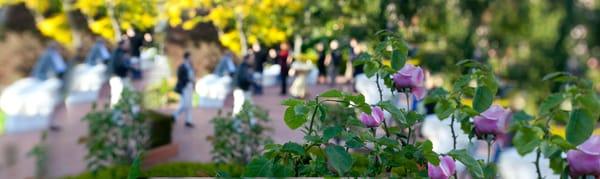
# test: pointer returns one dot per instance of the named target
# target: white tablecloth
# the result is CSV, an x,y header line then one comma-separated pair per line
x,y
28,103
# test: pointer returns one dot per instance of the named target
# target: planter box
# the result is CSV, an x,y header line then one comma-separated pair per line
x,y
160,154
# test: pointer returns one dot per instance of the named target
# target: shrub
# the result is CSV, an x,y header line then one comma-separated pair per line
x,y
178,169
236,139
116,135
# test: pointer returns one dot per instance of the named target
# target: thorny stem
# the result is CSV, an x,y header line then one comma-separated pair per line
x,y
407,110
312,118
453,133
537,163
489,148
385,126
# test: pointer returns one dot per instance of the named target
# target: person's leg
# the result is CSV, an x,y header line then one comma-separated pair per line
x,y
188,105
332,75
282,85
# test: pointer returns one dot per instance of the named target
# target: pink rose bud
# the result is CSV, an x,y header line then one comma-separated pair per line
x,y
585,160
410,77
444,170
373,120
494,120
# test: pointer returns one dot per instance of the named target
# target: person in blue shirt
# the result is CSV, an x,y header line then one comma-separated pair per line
x,y
225,66
98,53
50,63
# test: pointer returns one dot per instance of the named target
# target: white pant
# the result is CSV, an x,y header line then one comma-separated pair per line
x,y
239,98
185,103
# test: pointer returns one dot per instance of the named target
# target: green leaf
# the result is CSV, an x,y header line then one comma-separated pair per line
x,y
551,102
292,102
134,171
371,68
293,148
392,109
557,76
444,108
461,82
472,165
332,94
561,142
292,120
339,159
589,101
429,154
331,132
521,116
527,138
398,60
483,99
283,170
259,167
580,127
548,149
468,63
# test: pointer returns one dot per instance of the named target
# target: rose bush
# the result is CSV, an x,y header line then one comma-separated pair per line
x,y
366,144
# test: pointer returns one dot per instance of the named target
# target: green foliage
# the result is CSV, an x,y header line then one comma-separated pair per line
x,y
178,169
580,127
472,165
236,139
339,159
40,153
116,135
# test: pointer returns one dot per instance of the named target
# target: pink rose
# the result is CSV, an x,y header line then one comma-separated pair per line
x,y
585,160
373,120
411,77
494,120
444,170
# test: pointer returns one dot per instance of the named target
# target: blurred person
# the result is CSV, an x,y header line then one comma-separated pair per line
x,y
300,70
225,66
136,41
284,59
184,87
120,67
358,50
334,61
243,81
50,63
98,53
260,57
353,54
321,62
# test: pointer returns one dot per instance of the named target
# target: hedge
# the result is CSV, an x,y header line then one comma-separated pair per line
x,y
177,169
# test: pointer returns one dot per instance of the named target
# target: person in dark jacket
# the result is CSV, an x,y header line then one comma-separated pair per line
x,y
284,59
120,60
335,60
260,57
321,62
184,87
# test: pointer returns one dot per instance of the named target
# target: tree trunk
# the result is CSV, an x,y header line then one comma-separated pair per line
x,y
113,19
75,33
297,45
239,26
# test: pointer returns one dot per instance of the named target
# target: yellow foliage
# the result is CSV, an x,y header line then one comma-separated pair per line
x,y
231,40
57,28
89,7
103,27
